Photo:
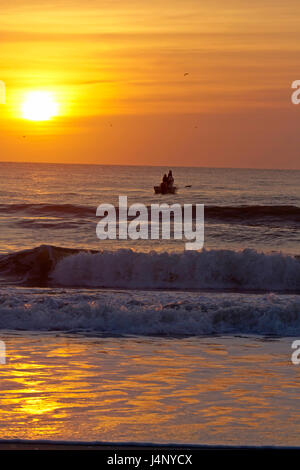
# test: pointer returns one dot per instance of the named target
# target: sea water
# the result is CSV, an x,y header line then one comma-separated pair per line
x,y
140,340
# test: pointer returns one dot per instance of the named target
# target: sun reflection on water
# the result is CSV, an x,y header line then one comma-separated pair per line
x,y
71,387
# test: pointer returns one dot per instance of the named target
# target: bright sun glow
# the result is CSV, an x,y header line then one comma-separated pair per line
x,y
39,106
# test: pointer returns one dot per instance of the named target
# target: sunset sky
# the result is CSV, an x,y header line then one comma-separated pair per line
x,y
193,82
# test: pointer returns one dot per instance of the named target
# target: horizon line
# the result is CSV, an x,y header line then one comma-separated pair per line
x,y
151,166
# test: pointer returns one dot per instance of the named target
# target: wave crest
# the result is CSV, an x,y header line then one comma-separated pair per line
x,y
128,269
214,269
166,314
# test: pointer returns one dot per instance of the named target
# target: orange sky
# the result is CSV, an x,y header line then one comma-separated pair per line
x,y
116,68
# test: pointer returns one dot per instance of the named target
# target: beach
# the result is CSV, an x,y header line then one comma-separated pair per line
x,y
227,390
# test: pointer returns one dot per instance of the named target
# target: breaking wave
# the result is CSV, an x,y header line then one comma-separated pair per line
x,y
128,269
150,313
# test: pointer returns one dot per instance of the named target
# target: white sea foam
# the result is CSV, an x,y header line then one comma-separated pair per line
x,y
214,269
150,313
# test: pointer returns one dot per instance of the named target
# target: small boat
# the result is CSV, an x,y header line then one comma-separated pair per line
x,y
161,189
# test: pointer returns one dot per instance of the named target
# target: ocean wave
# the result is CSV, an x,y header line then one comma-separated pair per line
x,y
256,213
243,214
214,269
128,269
42,223
59,210
167,314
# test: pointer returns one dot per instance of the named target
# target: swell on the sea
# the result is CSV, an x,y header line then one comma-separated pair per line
x,y
262,214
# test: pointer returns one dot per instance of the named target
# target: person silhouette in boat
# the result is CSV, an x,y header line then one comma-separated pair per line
x,y
164,184
167,182
170,179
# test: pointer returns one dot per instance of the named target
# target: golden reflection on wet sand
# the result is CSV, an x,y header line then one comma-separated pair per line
x,y
197,390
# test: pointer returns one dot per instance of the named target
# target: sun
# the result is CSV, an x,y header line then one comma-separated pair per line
x,y
39,106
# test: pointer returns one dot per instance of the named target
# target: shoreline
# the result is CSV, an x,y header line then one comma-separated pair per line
x,y
110,446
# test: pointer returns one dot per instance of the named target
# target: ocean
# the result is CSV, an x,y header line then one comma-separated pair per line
x,y
141,340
